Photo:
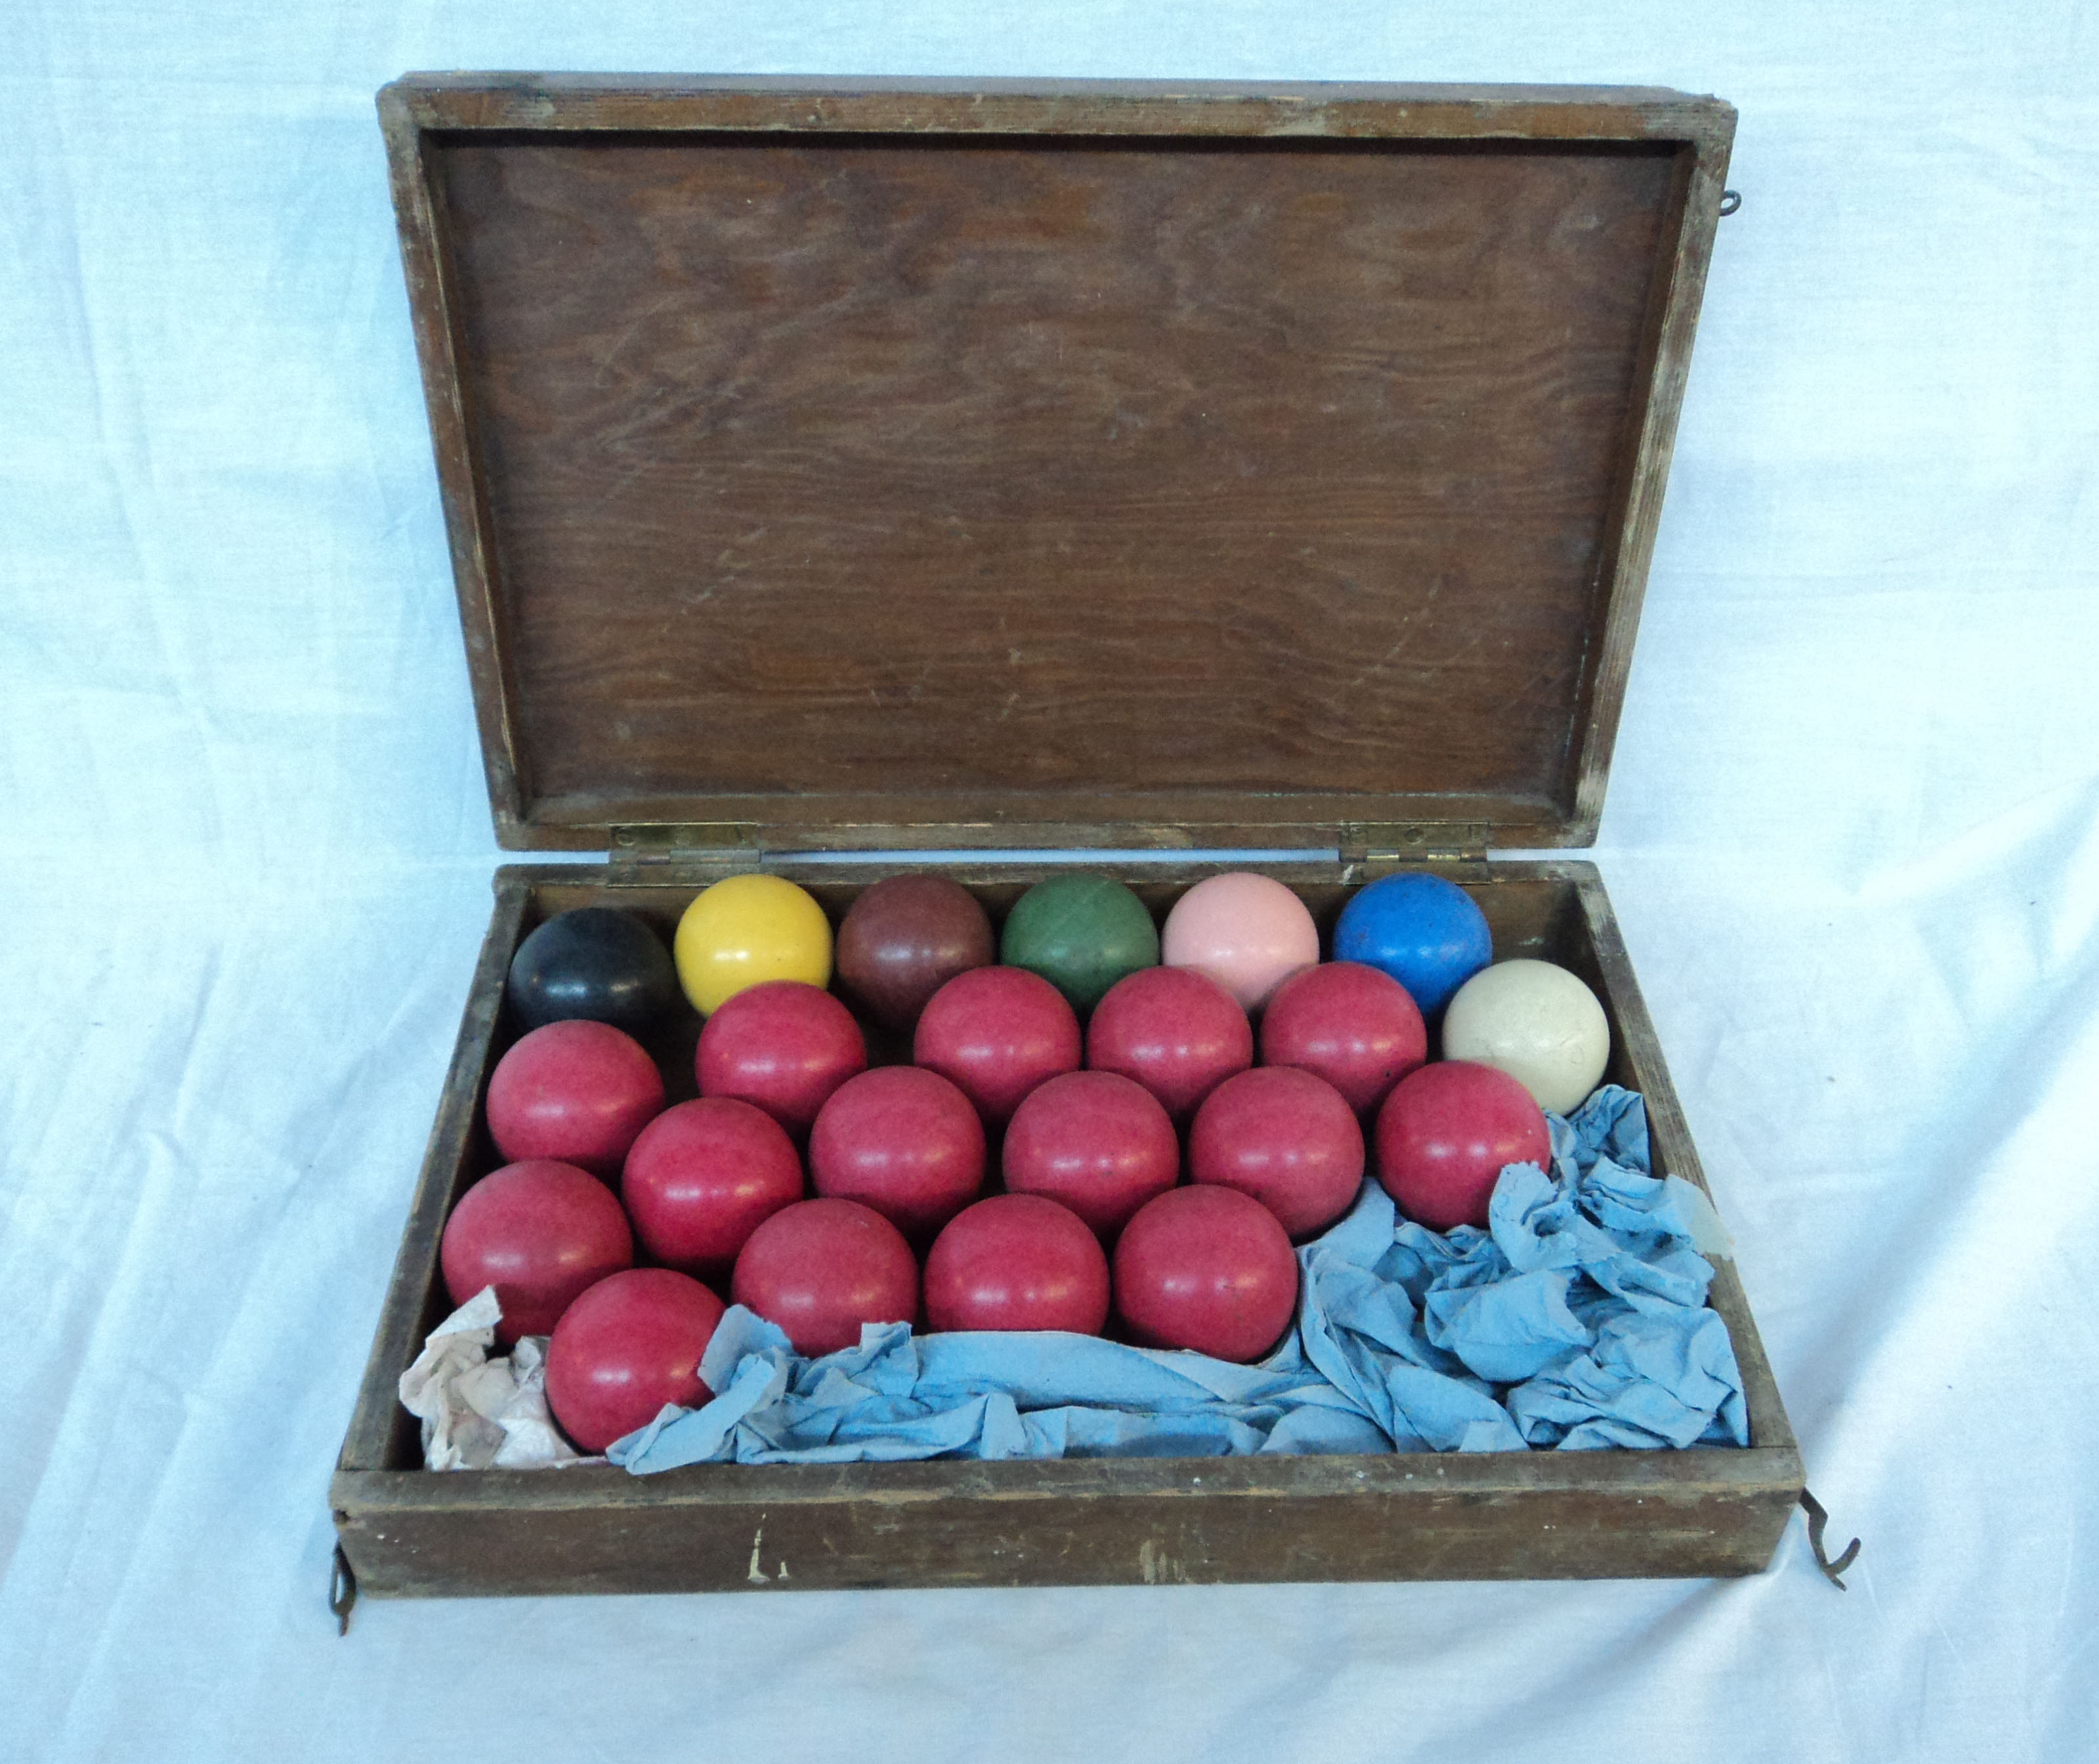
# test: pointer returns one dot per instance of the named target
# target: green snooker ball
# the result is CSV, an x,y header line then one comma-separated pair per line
x,y
1081,934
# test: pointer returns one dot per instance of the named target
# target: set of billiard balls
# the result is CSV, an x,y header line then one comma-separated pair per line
x,y
1097,1054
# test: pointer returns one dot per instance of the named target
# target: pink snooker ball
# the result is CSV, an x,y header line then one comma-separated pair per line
x,y
1174,1030
997,1033
1206,1268
1285,1137
1096,1142
579,1092
703,1176
784,1045
1017,1261
626,1348
1444,1135
1249,932
822,1269
541,1233
903,1141
1352,1024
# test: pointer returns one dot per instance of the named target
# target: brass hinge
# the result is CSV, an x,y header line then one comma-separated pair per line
x,y
687,844
1460,845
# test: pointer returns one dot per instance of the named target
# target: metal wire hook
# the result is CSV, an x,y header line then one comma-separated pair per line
x,y
1816,1520
342,1591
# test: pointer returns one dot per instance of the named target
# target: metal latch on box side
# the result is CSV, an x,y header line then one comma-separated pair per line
x,y
704,845
1457,847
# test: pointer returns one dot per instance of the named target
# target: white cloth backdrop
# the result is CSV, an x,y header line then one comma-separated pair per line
x,y
1853,835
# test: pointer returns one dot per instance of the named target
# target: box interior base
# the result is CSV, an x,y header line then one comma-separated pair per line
x,y
1703,1510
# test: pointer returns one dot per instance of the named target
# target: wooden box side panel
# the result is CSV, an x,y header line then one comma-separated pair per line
x,y
381,1433
1637,1063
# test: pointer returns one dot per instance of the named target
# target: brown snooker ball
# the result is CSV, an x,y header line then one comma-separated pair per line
x,y
905,938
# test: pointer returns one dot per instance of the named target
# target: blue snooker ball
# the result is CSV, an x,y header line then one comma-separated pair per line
x,y
1422,931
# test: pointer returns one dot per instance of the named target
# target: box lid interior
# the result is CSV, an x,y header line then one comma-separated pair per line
x,y
1190,464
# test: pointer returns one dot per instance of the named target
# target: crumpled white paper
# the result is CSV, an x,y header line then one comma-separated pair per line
x,y
479,1414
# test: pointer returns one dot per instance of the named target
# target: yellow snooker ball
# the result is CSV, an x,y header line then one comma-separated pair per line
x,y
745,931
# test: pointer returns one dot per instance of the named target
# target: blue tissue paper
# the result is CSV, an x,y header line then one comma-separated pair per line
x,y
1577,1320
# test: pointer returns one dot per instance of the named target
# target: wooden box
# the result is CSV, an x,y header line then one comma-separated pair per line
x,y
931,468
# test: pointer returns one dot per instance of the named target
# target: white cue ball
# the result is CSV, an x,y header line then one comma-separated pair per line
x,y
1538,1024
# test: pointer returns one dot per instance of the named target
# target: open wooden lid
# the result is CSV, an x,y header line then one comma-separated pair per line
x,y
878,462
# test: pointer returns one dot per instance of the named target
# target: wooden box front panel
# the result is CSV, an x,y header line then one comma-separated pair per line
x,y
1703,1510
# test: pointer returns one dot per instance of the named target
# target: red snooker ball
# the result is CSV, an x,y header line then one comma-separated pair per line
x,y
903,1141
1096,1142
821,1269
1353,1024
1445,1134
703,1176
624,1349
785,1045
1288,1138
540,1233
1206,1268
997,1033
579,1091
1017,1261
1176,1031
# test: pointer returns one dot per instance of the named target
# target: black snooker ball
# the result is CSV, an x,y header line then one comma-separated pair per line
x,y
594,962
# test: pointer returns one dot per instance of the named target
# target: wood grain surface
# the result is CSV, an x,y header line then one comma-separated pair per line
x,y
999,477
728,1528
